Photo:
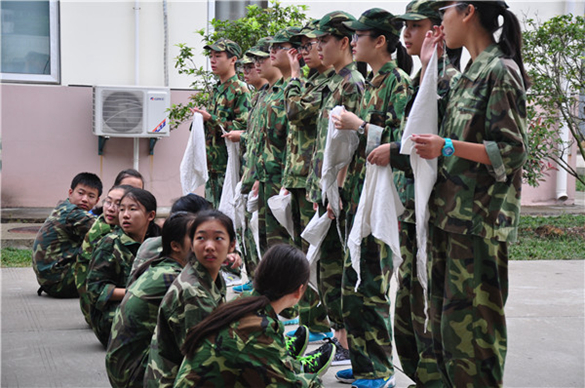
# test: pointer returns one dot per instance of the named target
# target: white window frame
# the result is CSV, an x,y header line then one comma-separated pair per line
x,y
55,76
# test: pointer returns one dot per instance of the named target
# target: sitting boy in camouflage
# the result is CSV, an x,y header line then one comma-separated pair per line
x,y
57,244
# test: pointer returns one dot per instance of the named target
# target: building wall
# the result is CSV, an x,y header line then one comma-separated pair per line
x,y
47,129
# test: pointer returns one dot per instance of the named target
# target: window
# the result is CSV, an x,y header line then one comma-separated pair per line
x,y
235,9
30,41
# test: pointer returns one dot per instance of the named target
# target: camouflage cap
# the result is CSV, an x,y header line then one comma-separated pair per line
x,y
286,35
245,60
308,30
420,10
261,49
333,23
227,45
375,18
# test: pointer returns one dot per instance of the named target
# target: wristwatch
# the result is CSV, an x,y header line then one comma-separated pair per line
x,y
448,148
362,128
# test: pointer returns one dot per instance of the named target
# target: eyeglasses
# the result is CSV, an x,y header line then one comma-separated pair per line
x,y
307,47
443,9
259,60
356,37
276,47
248,68
108,203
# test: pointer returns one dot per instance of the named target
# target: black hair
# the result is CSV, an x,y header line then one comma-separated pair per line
x,y
174,229
282,270
88,179
510,41
403,60
126,173
212,214
454,55
146,199
191,203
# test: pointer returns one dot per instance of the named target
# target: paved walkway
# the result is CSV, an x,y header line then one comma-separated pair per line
x,y
46,343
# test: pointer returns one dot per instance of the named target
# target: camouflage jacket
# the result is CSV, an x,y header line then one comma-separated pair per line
x,y
134,323
56,246
192,297
229,106
273,126
382,106
345,88
404,179
486,105
303,104
150,248
247,353
252,141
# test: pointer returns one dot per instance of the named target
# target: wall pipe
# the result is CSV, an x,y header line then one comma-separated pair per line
x,y
136,158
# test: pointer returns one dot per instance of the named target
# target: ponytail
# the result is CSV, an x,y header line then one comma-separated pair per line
x,y
403,60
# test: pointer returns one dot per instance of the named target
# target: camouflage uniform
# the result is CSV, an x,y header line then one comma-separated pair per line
x,y
345,88
303,105
192,297
412,339
109,269
370,334
56,248
474,215
246,353
134,323
98,230
150,249
229,105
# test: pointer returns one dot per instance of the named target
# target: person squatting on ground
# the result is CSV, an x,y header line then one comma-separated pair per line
x,y
378,123
135,318
194,294
475,204
242,342
57,243
113,256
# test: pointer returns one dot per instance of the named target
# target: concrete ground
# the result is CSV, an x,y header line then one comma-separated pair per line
x,y
46,343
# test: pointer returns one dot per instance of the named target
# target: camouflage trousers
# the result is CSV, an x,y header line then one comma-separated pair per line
x,y
269,229
250,256
81,268
312,312
413,345
468,288
65,288
330,273
366,311
101,321
213,188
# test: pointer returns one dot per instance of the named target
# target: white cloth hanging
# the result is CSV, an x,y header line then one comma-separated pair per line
x,y
280,206
314,234
231,180
377,214
193,169
423,119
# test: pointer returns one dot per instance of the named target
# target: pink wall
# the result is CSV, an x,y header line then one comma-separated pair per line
x,y
47,138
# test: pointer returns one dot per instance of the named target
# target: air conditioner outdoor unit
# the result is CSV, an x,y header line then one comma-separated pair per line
x,y
132,111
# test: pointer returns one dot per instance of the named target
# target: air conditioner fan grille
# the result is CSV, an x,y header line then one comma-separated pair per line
x,y
122,112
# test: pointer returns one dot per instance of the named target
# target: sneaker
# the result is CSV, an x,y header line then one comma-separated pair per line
x,y
231,279
341,354
388,382
289,322
345,376
243,288
297,343
319,360
319,337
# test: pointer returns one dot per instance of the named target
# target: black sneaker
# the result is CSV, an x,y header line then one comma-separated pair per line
x,y
341,354
297,343
319,360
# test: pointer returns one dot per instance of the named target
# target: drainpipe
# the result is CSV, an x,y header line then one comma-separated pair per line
x,y
136,72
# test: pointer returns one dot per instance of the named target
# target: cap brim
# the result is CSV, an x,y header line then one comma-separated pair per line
x,y
411,16
258,53
356,25
212,47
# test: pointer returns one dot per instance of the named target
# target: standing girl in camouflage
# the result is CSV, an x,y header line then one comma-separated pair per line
x,y
344,88
103,225
241,344
412,338
194,294
475,204
112,259
378,122
135,319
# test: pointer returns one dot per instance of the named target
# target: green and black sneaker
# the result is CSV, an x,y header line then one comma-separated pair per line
x,y
297,343
319,360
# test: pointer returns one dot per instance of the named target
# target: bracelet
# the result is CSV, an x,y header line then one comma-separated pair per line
x,y
362,128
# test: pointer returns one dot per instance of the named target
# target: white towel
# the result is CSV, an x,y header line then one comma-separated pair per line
x,y
314,234
280,206
231,180
193,169
423,119
377,214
